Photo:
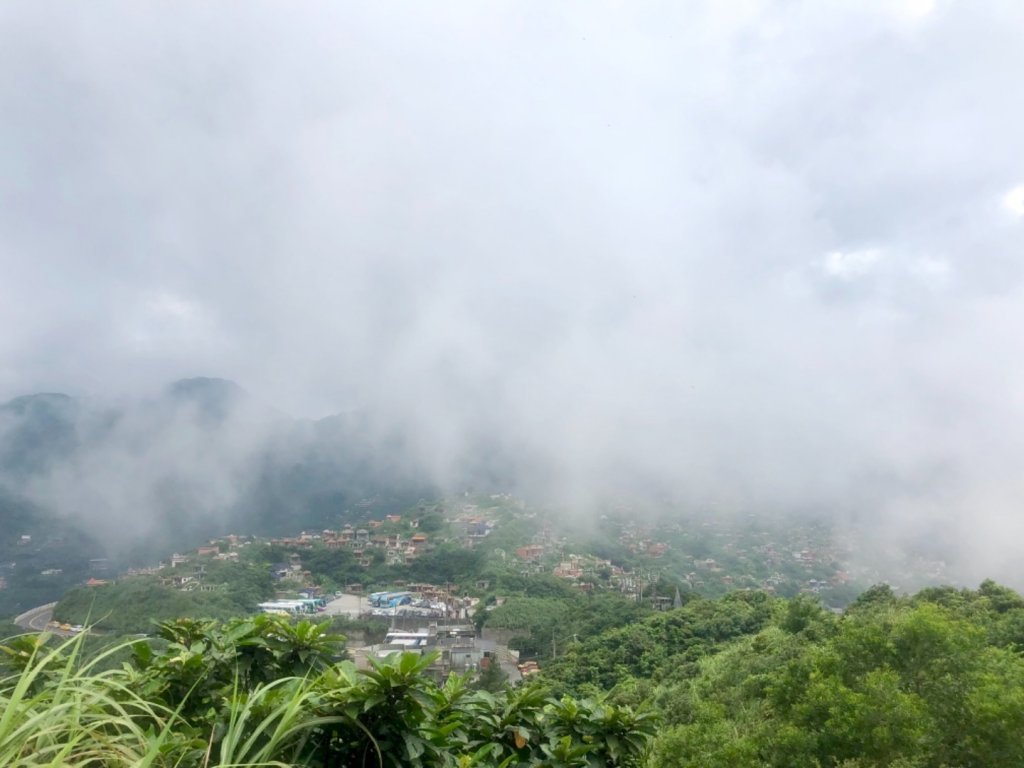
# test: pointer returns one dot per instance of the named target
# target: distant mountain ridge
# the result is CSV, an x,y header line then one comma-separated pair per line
x,y
36,429
201,457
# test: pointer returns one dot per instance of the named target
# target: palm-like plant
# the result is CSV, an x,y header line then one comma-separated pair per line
x,y
264,692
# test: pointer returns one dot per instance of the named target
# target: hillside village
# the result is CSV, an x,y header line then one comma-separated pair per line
x,y
453,550
491,588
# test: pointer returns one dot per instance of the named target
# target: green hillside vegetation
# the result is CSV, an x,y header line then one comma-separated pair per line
x,y
930,681
52,557
334,568
131,605
933,680
266,692
298,473
540,625
662,645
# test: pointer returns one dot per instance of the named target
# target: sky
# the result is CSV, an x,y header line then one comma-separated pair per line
x,y
753,253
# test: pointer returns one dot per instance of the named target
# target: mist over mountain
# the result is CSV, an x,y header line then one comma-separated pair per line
x,y
133,478
757,257
143,476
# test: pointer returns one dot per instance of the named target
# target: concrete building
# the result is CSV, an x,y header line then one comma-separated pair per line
x,y
459,649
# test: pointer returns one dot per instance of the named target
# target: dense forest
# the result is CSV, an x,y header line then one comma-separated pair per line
x,y
931,680
934,680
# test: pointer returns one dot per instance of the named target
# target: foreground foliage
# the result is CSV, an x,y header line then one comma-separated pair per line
x,y
267,692
930,681
935,680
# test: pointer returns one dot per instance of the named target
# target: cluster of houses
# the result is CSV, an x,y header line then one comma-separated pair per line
x,y
544,542
584,571
224,549
291,571
189,579
745,568
398,548
366,542
638,539
186,572
752,553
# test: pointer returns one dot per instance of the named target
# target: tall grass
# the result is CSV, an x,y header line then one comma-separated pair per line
x,y
265,723
189,707
59,711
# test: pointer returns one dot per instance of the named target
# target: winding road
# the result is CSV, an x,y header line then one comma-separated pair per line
x,y
36,619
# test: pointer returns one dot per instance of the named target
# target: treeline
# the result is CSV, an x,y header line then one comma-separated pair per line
x,y
932,680
132,604
929,681
336,568
542,625
266,692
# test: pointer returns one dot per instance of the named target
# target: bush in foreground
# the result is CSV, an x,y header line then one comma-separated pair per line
x,y
263,691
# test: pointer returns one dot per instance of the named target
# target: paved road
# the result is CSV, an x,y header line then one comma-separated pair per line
x,y
36,619
346,605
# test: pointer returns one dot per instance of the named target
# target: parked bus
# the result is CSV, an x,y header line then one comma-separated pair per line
x,y
287,607
390,599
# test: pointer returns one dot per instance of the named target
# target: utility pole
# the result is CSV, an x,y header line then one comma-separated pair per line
x,y
575,639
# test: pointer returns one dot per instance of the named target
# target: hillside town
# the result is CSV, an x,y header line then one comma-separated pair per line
x,y
400,553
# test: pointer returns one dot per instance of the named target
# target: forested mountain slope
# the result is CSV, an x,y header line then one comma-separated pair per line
x,y
932,680
146,476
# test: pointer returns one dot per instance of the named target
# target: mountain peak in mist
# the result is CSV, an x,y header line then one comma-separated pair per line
x,y
205,386
213,398
38,401
37,430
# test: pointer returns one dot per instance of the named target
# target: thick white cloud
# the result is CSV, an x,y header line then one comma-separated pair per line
x,y
1013,201
746,251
